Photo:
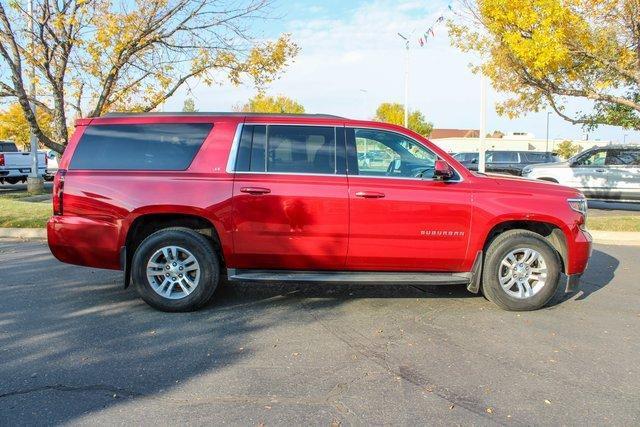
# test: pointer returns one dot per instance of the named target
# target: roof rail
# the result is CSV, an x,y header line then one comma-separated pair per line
x,y
213,113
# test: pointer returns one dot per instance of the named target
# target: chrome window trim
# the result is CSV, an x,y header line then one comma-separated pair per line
x,y
233,153
289,173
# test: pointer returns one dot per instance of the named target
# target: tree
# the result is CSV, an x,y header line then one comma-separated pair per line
x,y
567,149
92,56
14,126
262,103
394,113
189,106
545,52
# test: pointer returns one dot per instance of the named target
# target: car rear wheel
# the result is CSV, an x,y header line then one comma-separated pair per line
x,y
175,269
521,271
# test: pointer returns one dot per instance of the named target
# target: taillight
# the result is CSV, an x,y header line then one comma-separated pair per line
x,y
1,159
58,191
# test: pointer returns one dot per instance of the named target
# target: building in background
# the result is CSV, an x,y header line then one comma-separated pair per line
x,y
466,140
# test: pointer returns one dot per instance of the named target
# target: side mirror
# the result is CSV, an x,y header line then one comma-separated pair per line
x,y
442,170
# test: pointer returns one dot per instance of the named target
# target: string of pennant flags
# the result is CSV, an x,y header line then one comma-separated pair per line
x,y
429,33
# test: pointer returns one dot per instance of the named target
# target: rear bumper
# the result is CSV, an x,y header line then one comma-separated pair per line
x,y
82,241
18,172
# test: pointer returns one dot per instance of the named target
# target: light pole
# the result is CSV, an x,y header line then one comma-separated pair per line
x,y
35,183
548,114
406,81
365,94
483,123
624,138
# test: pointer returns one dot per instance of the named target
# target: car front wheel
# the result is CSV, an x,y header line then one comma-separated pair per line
x,y
521,271
175,269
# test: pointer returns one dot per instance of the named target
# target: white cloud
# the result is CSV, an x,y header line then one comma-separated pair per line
x,y
348,66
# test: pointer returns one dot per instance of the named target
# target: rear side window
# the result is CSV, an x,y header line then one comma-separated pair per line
x,y
502,157
288,149
139,146
8,147
623,157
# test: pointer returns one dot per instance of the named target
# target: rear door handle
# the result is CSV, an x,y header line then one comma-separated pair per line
x,y
255,190
601,170
370,194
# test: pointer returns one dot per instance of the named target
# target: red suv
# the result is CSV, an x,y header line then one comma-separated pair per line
x,y
183,201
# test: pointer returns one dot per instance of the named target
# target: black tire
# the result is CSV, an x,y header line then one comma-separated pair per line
x,y
499,248
199,246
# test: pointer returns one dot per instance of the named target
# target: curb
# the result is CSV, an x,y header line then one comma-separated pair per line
x,y
24,233
619,238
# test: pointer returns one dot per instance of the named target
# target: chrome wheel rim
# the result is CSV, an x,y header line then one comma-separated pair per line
x,y
173,272
523,273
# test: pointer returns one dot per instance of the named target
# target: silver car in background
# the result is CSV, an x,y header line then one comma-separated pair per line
x,y
611,172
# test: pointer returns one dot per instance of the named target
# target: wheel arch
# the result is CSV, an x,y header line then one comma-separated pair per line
x,y
145,224
552,233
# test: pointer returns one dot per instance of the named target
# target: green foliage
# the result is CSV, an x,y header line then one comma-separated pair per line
x,y
567,149
280,104
189,106
546,52
394,113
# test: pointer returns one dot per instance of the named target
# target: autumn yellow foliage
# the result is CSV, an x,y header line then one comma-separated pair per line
x,y
543,52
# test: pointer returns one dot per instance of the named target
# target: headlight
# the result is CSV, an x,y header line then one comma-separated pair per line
x,y
579,205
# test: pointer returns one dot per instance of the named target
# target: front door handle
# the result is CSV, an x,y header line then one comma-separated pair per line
x,y
601,170
370,194
255,190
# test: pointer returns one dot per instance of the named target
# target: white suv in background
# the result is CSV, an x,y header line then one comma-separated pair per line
x,y
611,172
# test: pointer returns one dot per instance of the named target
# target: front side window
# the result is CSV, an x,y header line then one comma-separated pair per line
x,y
593,158
287,149
383,153
139,146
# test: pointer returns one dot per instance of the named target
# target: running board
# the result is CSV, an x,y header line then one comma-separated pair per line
x,y
363,277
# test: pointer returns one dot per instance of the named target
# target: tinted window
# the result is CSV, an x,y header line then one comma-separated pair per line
x,y
538,157
8,147
592,158
382,153
502,157
623,157
302,149
287,149
139,147
251,155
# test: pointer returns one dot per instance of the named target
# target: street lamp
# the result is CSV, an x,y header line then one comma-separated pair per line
x,y
624,138
406,80
548,114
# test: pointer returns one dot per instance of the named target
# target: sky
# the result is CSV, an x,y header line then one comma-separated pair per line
x,y
352,59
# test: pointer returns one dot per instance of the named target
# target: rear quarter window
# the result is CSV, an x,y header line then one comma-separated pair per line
x,y
139,146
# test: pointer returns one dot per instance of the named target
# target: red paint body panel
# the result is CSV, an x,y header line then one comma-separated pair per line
x,y
309,222
303,223
419,225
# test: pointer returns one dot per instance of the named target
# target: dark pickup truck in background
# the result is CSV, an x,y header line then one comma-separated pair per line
x,y
506,162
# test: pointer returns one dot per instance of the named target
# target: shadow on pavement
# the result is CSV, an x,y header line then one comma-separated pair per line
x,y
83,344
592,280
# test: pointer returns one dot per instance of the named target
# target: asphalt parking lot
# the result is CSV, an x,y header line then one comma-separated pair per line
x,y
75,347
